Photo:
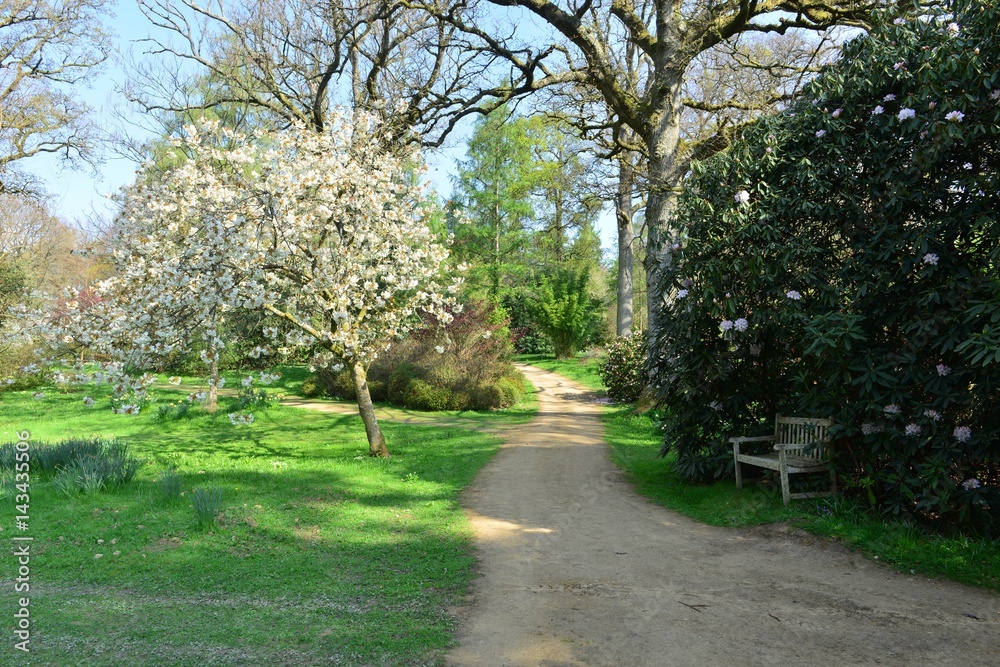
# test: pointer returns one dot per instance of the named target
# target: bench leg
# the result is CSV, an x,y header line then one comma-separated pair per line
x,y
736,465
833,481
783,470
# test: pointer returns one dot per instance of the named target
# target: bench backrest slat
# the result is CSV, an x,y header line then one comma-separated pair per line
x,y
808,432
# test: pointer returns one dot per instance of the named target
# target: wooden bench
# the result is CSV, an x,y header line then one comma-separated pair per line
x,y
798,448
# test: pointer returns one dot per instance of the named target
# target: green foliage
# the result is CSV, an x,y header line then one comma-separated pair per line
x,y
475,358
841,261
421,395
80,466
207,503
493,204
623,372
565,310
169,484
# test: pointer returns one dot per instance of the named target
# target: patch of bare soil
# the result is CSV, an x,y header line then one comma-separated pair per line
x,y
579,570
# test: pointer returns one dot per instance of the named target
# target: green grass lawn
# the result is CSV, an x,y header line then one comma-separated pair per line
x,y
322,555
582,368
635,443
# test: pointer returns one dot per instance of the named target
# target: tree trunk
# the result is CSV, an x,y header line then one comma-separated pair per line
x,y
664,180
213,383
376,441
623,212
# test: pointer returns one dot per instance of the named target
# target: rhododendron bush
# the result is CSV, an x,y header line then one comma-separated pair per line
x,y
325,235
840,260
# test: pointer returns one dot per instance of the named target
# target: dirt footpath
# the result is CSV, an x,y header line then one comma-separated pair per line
x,y
579,570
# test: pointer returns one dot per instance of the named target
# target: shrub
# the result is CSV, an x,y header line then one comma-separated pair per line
x,y
460,400
421,395
529,341
841,262
431,371
398,385
511,390
486,397
623,371
313,387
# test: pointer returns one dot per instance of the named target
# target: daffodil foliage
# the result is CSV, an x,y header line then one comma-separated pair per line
x,y
325,234
841,260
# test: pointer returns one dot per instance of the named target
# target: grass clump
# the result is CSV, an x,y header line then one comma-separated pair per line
x,y
207,503
169,484
88,465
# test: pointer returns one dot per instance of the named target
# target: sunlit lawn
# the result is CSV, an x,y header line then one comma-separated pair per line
x,y
322,555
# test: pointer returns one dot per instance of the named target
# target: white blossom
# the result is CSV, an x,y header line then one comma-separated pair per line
x,y
962,433
836,113
943,369
682,293
793,295
932,414
892,409
820,134
877,110
971,483
439,349
868,428
889,98
742,197
954,116
931,258
726,325
913,429
905,113
741,324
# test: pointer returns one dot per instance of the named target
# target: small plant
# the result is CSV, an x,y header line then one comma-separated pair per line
x,y
169,484
65,482
206,503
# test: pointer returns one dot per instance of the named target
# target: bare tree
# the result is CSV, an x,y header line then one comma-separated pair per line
x,y
586,47
40,244
420,73
46,46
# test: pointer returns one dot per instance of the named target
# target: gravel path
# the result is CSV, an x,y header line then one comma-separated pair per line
x,y
576,569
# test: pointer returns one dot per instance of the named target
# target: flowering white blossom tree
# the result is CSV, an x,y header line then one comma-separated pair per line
x,y
324,233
